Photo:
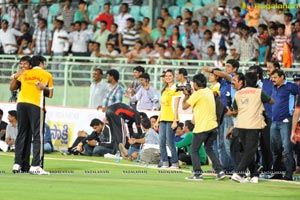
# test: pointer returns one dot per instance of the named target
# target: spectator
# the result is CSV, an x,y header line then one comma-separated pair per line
x,y
168,120
136,52
148,51
98,89
221,12
204,27
163,38
233,54
110,51
99,142
174,39
153,120
222,55
11,132
288,24
122,17
179,52
135,86
155,33
281,125
182,78
42,39
179,134
145,26
184,145
78,40
144,35
215,82
195,34
296,42
211,55
246,46
43,9
25,41
252,17
204,44
188,54
168,20
115,90
205,131
96,50
216,37
3,126
124,51
101,36
113,37
88,32
280,40
8,38
68,13
129,34
60,47
14,15
105,16
179,23
81,14
48,146
146,97
236,18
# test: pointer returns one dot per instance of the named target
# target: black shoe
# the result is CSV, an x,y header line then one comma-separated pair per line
x,y
276,176
287,178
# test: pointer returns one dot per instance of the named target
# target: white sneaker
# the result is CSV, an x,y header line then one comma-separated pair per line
x,y
16,168
254,179
237,178
38,170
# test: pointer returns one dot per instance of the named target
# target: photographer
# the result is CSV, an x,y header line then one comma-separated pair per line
x,y
205,131
184,82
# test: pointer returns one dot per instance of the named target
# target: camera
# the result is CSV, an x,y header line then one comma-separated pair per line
x,y
188,87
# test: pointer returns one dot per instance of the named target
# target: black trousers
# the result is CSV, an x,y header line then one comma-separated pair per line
x,y
118,114
235,148
30,129
265,143
249,140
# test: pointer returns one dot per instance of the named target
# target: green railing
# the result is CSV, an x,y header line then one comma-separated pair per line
x,y
73,79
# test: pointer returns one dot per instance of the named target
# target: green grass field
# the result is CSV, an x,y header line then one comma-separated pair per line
x,y
80,177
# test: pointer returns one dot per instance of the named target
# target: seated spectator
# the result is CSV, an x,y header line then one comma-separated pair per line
x,y
146,28
168,20
146,97
163,38
110,51
144,35
204,44
153,120
3,126
124,51
211,55
48,146
174,39
91,48
179,134
148,51
184,146
188,54
99,142
233,54
11,132
136,52
96,50
150,138
179,52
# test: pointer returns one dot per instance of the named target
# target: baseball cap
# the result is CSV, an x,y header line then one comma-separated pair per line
x,y
296,77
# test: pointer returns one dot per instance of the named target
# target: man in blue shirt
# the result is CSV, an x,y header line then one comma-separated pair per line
x,y
281,124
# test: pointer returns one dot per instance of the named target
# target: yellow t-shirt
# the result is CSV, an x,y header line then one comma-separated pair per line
x,y
29,92
215,87
167,103
204,110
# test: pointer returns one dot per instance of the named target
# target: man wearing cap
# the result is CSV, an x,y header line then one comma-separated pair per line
x,y
8,38
130,35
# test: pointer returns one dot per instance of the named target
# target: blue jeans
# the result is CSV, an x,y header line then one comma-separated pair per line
x,y
166,137
280,139
224,145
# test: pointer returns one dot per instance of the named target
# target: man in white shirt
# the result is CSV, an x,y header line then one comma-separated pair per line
x,y
78,40
8,38
98,90
60,46
122,17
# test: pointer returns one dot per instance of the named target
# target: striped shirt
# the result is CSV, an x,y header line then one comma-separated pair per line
x,y
41,37
279,42
130,36
246,48
68,17
113,96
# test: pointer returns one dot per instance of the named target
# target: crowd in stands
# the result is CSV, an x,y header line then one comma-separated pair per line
x,y
250,34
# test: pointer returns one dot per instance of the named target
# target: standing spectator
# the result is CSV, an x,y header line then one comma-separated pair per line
x,y
296,42
216,37
42,39
113,37
252,17
145,26
168,119
43,9
281,125
205,131
3,126
288,24
135,86
155,33
25,41
30,118
122,17
144,35
233,54
81,14
204,27
246,46
101,36
163,39
146,98
105,16
211,55
236,18
280,40
195,33
68,13
98,89
249,104
8,38
88,32
78,41
204,44
129,34
60,47
115,90
14,15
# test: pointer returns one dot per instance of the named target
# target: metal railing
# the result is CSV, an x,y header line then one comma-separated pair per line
x,y
76,72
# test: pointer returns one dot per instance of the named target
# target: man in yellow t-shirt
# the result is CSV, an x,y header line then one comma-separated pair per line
x,y
30,116
205,131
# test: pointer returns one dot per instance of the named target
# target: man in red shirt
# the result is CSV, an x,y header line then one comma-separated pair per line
x,y
105,16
